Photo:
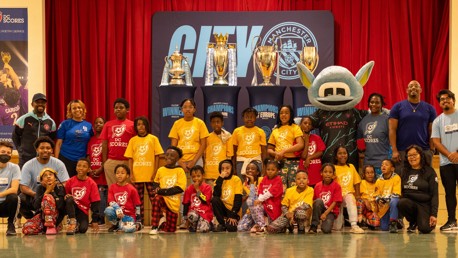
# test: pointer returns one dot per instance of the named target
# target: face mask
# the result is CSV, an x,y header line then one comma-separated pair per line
x,y
4,158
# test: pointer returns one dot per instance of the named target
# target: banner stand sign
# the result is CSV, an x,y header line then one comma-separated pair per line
x,y
170,100
223,99
266,100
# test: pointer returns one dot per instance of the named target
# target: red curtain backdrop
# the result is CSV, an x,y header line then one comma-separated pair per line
x,y
99,50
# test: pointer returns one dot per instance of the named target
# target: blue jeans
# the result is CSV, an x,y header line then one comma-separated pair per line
x,y
390,215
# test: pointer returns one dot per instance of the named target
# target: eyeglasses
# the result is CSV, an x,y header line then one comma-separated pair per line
x,y
412,155
444,99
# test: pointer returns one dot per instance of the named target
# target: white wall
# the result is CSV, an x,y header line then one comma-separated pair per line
x,y
36,42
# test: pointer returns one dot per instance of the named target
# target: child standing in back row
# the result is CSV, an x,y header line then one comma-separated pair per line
x,y
249,142
143,153
349,180
219,147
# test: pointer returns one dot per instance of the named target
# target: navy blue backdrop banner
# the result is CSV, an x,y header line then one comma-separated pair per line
x,y
190,33
222,99
266,100
14,68
301,102
171,98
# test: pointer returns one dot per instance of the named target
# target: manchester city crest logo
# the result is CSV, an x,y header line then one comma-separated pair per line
x,y
293,38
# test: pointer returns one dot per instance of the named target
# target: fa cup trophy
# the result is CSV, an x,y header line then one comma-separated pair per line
x,y
179,68
309,58
266,60
221,62
6,57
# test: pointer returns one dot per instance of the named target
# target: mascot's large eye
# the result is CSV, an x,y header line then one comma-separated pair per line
x,y
328,92
340,91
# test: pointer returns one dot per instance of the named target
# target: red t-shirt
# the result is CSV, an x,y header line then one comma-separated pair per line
x,y
329,194
315,144
118,134
203,209
84,192
125,196
272,206
94,152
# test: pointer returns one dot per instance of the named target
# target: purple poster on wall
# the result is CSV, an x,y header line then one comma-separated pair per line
x,y
13,68
191,32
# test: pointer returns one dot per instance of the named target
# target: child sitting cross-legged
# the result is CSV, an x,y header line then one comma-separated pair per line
x,y
124,203
296,206
387,196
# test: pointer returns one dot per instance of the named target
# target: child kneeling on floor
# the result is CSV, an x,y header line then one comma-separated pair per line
x,y
124,209
169,183
387,196
296,206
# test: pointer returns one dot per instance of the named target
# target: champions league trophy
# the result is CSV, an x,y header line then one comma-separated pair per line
x,y
221,62
266,59
180,66
309,58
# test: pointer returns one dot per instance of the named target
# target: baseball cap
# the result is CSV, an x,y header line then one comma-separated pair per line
x,y
47,169
39,96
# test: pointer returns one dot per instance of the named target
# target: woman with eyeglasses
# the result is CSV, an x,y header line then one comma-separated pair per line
x,y
419,202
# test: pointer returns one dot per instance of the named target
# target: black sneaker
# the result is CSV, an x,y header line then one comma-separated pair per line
x,y
11,230
313,229
219,228
449,226
393,227
113,228
412,228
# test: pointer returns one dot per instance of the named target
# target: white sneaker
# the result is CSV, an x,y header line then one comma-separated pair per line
x,y
356,230
161,221
154,231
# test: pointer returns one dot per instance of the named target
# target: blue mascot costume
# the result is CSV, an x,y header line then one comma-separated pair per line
x,y
335,92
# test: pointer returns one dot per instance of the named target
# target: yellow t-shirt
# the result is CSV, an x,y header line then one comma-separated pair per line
x,y
168,178
283,138
294,199
248,141
229,189
188,134
215,152
143,151
387,187
367,190
347,177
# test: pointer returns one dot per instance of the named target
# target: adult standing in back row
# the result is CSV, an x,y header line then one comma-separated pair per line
x,y
30,126
410,123
116,135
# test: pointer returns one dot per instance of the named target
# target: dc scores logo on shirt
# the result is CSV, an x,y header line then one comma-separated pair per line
x,y
195,201
170,181
78,192
312,147
143,149
346,180
370,127
326,196
96,150
226,194
216,148
412,179
121,198
188,133
249,138
118,130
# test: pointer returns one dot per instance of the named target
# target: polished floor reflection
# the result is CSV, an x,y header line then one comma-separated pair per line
x,y
183,244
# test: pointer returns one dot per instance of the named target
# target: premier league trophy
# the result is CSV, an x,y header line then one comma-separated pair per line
x,y
180,66
266,60
309,58
221,62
